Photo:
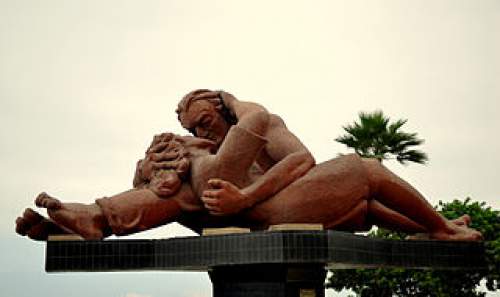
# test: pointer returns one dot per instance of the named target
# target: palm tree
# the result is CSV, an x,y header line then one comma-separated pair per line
x,y
374,137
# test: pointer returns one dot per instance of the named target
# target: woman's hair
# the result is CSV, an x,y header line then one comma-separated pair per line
x,y
218,103
181,163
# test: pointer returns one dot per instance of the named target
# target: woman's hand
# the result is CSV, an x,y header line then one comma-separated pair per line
x,y
156,156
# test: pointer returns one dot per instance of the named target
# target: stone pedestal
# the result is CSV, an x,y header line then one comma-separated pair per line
x,y
329,249
268,280
263,264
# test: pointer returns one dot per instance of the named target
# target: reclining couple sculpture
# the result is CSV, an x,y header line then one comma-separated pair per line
x,y
244,168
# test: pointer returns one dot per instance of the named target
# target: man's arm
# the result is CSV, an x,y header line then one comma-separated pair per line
x,y
242,144
289,157
233,160
241,109
291,161
251,116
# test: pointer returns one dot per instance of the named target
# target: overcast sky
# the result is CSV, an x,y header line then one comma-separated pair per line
x,y
84,85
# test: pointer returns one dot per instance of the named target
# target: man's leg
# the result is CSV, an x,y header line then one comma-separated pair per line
x,y
385,217
397,195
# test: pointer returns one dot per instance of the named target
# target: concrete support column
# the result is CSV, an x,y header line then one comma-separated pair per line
x,y
268,280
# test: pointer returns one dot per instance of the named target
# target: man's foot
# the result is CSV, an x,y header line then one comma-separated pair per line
x,y
85,220
458,233
458,230
37,227
418,236
464,220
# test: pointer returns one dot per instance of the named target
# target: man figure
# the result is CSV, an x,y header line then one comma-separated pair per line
x,y
283,159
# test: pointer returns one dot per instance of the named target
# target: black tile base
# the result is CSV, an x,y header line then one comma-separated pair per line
x,y
268,280
331,249
263,264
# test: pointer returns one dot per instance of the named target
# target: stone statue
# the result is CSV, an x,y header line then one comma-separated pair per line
x,y
245,168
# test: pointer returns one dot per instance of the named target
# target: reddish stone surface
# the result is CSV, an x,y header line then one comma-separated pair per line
x,y
243,167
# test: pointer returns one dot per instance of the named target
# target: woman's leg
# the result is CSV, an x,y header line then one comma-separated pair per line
x,y
37,227
86,220
125,213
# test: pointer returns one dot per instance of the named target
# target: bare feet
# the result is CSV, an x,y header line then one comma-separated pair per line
x,y
418,236
45,201
464,220
37,227
85,220
457,232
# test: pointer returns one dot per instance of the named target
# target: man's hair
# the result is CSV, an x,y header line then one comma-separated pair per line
x,y
218,103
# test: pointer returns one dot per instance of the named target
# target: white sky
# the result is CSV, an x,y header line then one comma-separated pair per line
x,y
85,85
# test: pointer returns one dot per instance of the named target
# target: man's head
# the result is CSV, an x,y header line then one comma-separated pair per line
x,y
205,117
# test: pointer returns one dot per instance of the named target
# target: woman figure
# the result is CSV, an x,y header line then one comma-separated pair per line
x,y
160,194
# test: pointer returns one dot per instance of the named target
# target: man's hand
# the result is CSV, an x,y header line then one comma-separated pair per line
x,y
217,96
228,99
224,198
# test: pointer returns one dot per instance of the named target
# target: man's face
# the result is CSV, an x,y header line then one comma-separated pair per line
x,y
204,121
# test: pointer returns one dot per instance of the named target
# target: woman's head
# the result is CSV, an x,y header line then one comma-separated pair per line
x,y
165,183
168,176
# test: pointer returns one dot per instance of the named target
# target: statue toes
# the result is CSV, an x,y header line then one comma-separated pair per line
x,y
40,231
32,217
22,226
40,199
46,201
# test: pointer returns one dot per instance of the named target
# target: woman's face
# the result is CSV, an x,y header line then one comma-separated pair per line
x,y
204,121
165,183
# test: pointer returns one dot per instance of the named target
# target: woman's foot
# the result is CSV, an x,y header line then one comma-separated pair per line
x,y
85,220
37,227
28,219
45,201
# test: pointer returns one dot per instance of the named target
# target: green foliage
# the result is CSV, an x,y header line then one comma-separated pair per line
x,y
374,137
411,282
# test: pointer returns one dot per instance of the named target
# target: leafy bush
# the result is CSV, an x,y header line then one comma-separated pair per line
x,y
412,282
